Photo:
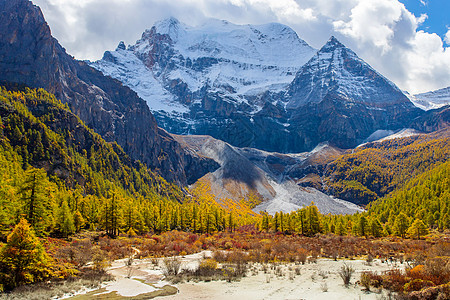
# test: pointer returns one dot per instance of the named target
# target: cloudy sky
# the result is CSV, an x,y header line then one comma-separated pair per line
x,y
408,41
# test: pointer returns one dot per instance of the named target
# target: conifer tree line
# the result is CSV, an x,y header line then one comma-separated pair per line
x,y
374,170
61,184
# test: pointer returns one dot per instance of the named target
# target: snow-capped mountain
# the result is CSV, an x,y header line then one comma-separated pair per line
x,y
257,86
337,70
182,63
339,98
431,100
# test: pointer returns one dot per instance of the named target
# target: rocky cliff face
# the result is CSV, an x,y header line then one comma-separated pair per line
x,y
339,98
30,55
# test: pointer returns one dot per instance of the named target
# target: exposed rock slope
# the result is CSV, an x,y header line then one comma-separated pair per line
x,y
279,179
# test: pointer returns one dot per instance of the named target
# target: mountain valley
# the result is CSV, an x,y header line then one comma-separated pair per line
x,y
238,145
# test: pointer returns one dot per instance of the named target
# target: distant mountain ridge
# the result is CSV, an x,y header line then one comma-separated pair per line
x,y
432,99
339,98
257,86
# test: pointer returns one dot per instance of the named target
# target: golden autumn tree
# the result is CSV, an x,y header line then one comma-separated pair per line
x,y
23,259
417,229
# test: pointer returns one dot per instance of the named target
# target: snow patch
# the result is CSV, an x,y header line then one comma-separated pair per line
x,y
124,66
384,135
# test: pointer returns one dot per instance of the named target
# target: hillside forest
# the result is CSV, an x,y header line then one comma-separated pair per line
x,y
63,186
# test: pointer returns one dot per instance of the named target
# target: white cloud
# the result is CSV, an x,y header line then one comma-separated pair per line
x,y
382,32
372,21
422,18
447,37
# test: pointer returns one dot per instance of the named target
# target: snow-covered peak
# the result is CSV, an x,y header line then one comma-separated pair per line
x,y
332,44
270,44
337,70
171,27
340,61
175,62
121,46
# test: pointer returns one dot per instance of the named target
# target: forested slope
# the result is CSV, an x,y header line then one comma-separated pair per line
x,y
425,197
62,177
49,158
376,169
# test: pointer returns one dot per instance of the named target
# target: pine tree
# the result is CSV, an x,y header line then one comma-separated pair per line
x,y
401,225
276,221
78,221
340,230
302,221
417,229
23,259
376,228
65,220
36,205
265,221
362,226
312,219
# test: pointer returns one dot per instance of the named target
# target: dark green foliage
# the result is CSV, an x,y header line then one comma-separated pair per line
x,y
426,197
64,219
36,194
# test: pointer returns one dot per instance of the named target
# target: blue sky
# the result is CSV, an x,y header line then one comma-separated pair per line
x,y
438,12
391,35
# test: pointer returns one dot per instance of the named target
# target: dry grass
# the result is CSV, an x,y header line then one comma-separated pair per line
x,y
234,251
88,279
346,273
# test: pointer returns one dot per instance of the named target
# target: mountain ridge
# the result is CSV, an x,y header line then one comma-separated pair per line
x,y
336,67
30,55
342,102
432,99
